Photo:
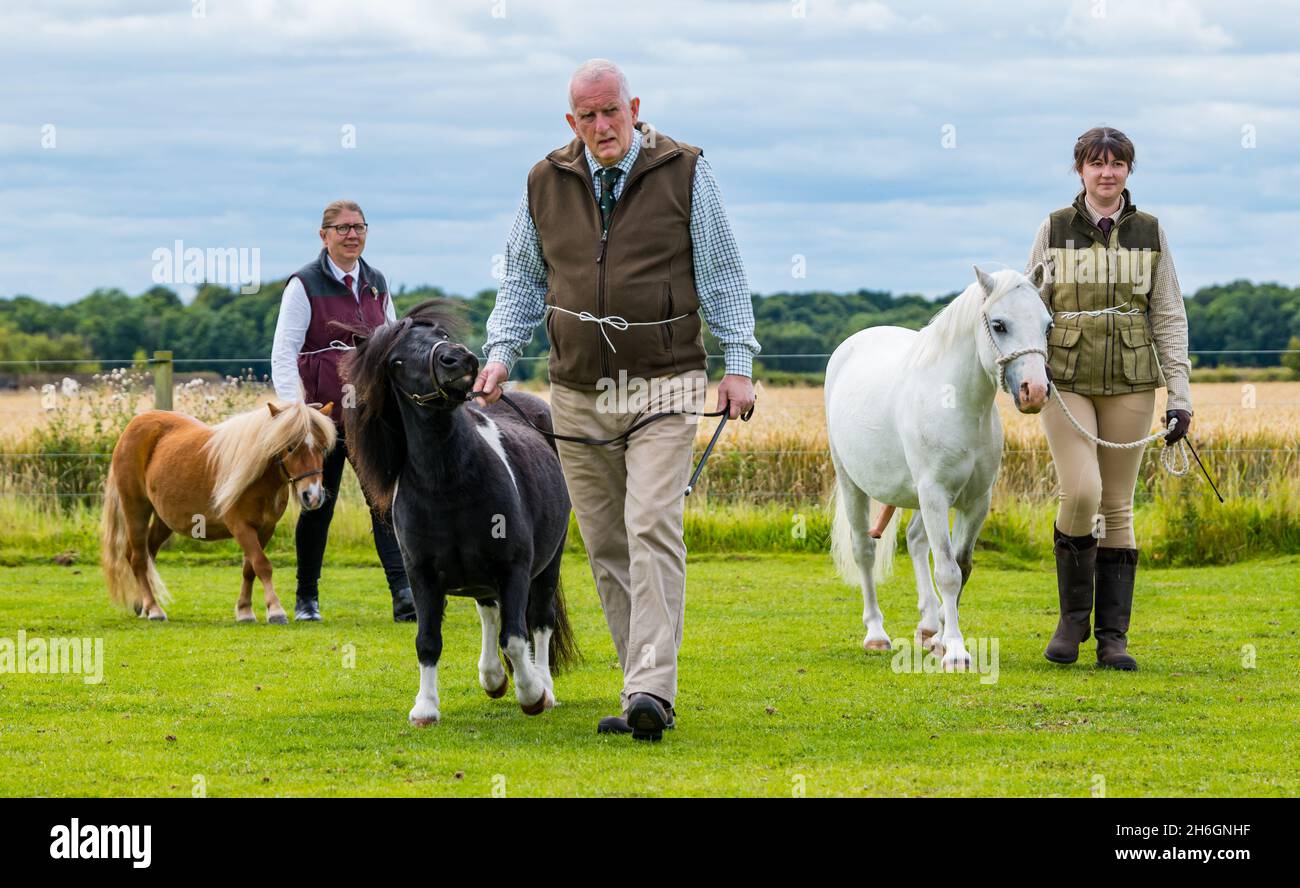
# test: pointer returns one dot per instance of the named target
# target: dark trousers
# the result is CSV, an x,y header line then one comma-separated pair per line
x,y
314,528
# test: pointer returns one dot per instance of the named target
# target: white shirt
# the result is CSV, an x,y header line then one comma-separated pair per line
x,y
291,331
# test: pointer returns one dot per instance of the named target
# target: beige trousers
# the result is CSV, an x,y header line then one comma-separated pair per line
x,y
628,498
1097,483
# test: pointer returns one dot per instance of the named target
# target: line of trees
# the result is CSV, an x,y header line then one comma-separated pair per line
x,y
223,323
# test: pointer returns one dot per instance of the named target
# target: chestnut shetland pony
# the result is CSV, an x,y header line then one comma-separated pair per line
x,y
173,474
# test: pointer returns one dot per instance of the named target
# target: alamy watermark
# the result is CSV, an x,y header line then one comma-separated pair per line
x,y
228,266
984,658
684,394
1083,265
60,656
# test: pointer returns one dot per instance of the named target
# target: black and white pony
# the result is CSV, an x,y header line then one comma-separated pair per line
x,y
476,497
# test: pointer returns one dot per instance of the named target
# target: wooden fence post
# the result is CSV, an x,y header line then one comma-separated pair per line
x,y
162,380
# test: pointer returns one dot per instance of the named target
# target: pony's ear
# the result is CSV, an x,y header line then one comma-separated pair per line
x,y
1038,275
360,339
986,281
327,409
275,411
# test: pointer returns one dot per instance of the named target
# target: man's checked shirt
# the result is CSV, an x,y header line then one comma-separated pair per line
x,y
719,274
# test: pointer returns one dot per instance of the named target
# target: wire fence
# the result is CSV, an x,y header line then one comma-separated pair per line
x,y
128,362
161,364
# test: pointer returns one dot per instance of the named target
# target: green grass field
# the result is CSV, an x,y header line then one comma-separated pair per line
x,y
777,696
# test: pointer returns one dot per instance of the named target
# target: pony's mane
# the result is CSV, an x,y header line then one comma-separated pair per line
x,y
376,439
958,318
241,446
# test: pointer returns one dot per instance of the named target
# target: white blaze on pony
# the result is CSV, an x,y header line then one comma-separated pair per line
x,y
911,421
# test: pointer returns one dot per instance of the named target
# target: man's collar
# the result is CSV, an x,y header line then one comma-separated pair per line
x,y
625,164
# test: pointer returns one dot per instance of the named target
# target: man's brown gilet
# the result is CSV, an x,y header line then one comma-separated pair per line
x,y
641,269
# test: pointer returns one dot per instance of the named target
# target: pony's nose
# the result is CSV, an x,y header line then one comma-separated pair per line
x,y
457,361
1032,396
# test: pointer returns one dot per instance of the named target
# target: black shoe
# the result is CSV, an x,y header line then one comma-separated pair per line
x,y
613,724
1116,573
617,724
403,606
648,717
1076,558
307,609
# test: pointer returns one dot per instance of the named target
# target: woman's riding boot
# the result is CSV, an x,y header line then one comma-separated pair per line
x,y
1075,560
1116,572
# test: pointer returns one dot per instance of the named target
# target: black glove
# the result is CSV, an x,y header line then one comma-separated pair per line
x,y
1184,418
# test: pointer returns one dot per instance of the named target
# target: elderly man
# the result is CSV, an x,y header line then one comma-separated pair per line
x,y
621,243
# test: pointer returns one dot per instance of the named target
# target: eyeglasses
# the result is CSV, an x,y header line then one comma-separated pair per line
x,y
358,227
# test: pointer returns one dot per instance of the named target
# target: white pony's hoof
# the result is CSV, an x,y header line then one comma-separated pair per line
x,y
876,644
423,714
929,640
956,664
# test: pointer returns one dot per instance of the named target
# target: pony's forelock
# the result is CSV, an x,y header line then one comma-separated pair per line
x,y
957,319
240,446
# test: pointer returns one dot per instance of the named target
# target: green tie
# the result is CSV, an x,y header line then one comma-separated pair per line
x,y
608,178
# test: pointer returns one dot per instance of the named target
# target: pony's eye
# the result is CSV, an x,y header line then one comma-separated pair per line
x,y
999,327
397,363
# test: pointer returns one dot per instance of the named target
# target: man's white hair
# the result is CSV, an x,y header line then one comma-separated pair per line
x,y
597,69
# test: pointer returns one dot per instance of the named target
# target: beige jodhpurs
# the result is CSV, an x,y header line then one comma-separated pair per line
x,y
1096,483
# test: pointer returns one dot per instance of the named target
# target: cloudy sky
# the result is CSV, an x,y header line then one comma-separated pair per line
x,y
889,144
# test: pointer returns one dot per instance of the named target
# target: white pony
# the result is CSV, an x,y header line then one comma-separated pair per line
x,y
912,423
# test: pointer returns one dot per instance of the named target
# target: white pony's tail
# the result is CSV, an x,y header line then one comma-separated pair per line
x,y
842,542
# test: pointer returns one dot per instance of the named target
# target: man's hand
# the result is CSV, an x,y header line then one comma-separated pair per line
x,y
489,382
739,390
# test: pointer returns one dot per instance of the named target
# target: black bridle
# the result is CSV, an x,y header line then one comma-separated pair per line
x,y
439,393
293,479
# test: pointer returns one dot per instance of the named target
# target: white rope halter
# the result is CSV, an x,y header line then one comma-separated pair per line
x,y
618,323
1008,357
1167,455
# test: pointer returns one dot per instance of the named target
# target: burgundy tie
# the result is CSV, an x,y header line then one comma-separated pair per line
x,y
1106,223
347,278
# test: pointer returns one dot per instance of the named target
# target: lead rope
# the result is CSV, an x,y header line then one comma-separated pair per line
x,y
1168,456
